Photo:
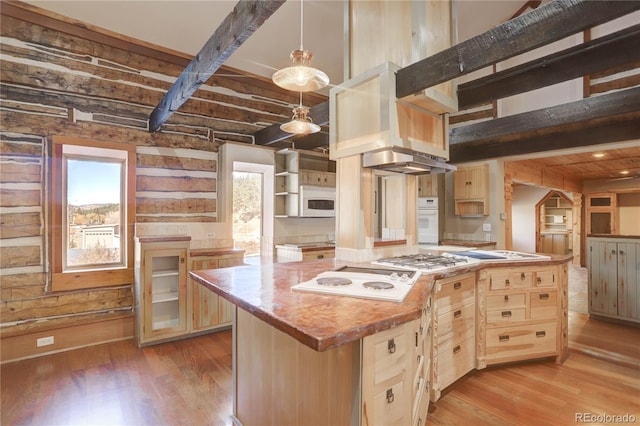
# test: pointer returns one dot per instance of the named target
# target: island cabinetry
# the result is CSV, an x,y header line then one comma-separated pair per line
x,y
471,190
613,278
453,331
160,288
209,311
524,313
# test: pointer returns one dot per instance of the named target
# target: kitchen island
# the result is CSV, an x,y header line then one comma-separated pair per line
x,y
304,358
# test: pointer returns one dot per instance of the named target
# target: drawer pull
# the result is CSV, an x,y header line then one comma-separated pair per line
x,y
390,396
506,314
506,283
456,349
539,280
522,275
506,298
321,256
457,314
541,333
544,296
457,286
391,346
182,260
504,338
416,339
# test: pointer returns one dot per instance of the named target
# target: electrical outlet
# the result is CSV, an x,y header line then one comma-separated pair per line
x,y
211,235
486,227
487,237
44,341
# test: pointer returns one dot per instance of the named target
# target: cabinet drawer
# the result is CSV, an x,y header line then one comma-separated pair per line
x,y
504,280
388,406
506,301
457,325
544,304
455,293
455,361
545,278
506,343
506,315
390,351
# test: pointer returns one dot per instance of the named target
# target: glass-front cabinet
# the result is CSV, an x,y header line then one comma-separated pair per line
x,y
161,288
601,217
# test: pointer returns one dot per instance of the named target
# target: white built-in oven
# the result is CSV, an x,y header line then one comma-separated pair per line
x,y
317,201
427,220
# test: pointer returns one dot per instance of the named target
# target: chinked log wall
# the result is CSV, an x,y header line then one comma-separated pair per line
x,y
56,83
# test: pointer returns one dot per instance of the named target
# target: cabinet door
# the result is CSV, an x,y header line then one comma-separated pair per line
x,y
205,302
165,293
628,279
603,293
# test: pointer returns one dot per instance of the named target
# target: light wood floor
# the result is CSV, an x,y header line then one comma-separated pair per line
x,y
189,383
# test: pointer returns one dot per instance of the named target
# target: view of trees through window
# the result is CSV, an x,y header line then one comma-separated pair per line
x,y
93,212
247,211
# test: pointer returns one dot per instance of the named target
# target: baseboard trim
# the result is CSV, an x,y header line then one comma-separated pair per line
x,y
16,347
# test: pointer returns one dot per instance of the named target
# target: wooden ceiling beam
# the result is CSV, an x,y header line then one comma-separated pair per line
x,y
319,114
546,24
244,20
613,50
507,128
608,118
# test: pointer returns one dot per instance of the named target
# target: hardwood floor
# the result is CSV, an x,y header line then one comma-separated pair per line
x,y
189,383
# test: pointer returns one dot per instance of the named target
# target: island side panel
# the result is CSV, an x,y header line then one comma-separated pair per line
x,y
280,381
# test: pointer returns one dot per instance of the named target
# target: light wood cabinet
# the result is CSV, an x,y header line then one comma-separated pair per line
x,y
396,366
601,213
555,243
453,331
428,185
555,224
294,168
613,278
160,288
471,190
209,310
525,313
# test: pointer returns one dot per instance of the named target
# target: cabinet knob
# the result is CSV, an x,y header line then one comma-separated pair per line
x,y
506,283
506,297
182,260
457,286
390,396
522,275
391,346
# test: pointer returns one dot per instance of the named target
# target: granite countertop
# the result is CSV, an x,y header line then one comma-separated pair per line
x,y
304,247
468,243
324,321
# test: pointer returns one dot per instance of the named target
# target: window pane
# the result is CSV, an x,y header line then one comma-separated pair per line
x,y
94,213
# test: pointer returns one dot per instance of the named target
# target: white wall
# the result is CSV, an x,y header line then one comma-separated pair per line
x,y
523,216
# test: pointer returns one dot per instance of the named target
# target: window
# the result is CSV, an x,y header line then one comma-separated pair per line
x,y
91,213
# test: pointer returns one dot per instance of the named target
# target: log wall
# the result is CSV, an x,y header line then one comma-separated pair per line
x,y
60,77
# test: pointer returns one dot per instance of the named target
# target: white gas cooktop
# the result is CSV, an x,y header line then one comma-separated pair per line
x,y
367,283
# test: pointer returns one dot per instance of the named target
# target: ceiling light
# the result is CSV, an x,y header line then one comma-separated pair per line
x,y
301,77
301,123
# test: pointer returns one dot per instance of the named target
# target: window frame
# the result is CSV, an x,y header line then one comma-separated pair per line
x,y
59,279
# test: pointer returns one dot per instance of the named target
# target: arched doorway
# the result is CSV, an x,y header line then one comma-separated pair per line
x,y
554,227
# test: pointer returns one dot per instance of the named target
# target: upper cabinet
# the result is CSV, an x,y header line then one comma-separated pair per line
x,y
294,168
601,213
471,190
428,185
555,224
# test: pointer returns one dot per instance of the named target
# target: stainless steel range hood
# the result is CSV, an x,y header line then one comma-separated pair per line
x,y
401,160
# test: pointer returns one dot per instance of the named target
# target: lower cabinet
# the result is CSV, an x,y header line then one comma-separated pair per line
x,y
168,305
209,310
396,367
453,331
524,314
614,276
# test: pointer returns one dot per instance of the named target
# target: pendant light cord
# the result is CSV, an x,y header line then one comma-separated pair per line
x,y
301,22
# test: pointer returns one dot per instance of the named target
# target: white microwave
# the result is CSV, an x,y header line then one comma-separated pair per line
x,y
317,201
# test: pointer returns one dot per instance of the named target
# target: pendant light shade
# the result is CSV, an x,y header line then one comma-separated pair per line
x,y
300,123
301,76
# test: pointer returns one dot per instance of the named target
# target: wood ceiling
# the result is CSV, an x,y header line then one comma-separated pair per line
x,y
585,166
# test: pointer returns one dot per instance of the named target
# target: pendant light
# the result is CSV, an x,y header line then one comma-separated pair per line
x,y
301,123
300,77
